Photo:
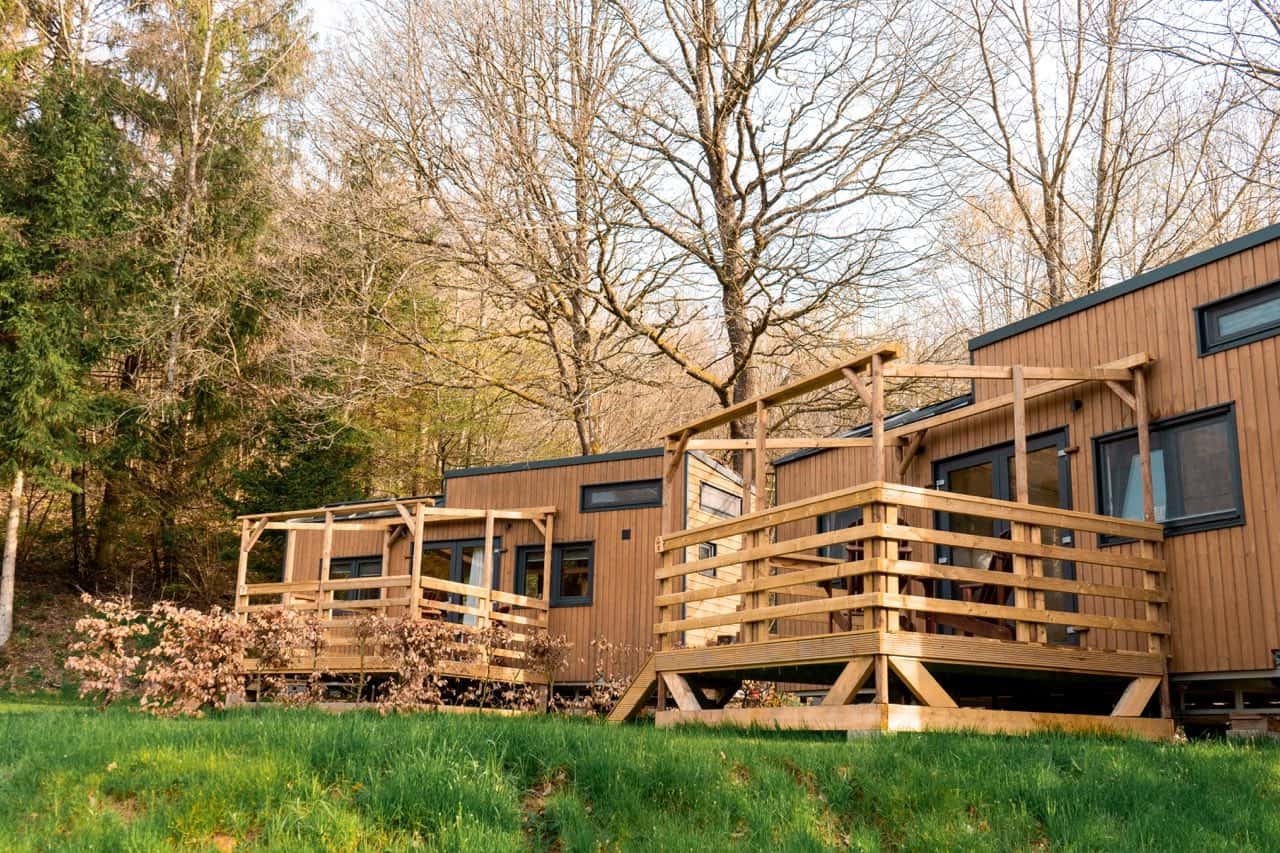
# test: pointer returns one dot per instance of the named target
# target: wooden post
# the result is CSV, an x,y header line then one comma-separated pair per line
x,y
1021,487
548,553
877,418
242,573
882,679
671,466
1144,443
758,460
1021,630
415,563
1035,568
485,601
326,560
1156,612
290,557
890,584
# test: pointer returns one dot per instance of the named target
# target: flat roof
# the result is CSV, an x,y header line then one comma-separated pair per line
x,y
1138,282
562,462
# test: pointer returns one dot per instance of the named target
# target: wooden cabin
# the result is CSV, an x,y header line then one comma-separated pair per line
x,y
561,544
1210,325
1089,538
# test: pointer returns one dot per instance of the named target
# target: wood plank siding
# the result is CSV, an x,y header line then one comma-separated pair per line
x,y
621,610
1224,583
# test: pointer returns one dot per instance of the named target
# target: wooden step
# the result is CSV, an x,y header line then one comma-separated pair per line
x,y
638,694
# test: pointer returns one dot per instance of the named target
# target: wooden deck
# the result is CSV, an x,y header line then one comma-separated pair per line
x,y
468,610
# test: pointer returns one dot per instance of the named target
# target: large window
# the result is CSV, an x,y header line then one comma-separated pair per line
x,y
838,521
636,494
1195,471
572,569
718,501
1239,319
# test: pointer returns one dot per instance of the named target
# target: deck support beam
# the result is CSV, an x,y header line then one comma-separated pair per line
x,y
855,675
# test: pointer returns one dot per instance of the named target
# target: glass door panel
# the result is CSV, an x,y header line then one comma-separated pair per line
x,y
990,473
974,480
437,562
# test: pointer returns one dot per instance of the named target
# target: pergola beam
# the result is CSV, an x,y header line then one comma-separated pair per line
x,y
795,389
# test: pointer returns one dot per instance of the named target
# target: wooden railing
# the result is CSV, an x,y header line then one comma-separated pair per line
x,y
1041,575
469,609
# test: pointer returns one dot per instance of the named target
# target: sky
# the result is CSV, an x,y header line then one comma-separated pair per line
x,y
331,18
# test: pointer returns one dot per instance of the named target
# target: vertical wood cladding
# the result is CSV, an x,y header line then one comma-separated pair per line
x,y
1225,583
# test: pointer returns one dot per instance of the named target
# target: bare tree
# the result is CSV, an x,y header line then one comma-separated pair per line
x,y
1114,157
777,166
494,109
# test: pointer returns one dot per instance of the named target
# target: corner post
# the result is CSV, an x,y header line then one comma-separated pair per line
x,y
1019,532
485,600
242,572
326,561
1144,443
290,557
877,418
415,563
548,552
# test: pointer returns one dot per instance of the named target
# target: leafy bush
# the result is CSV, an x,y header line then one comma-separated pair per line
x,y
108,656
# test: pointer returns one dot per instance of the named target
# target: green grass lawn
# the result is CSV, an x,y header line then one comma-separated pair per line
x,y
74,778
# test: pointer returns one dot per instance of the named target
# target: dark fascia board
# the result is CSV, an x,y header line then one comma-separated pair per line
x,y
1115,291
564,462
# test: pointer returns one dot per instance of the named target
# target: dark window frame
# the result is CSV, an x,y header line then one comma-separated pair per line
x,y
714,551
523,553
1210,342
587,487
1194,524
702,504
361,594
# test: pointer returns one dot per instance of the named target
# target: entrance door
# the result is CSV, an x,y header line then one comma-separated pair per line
x,y
460,561
989,473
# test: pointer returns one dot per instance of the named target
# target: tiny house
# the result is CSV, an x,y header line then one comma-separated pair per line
x,y
570,541
1211,326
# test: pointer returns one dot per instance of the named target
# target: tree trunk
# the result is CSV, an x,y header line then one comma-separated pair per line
x,y
79,525
10,562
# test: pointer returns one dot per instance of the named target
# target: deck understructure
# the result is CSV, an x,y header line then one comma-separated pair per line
x,y
897,621
467,612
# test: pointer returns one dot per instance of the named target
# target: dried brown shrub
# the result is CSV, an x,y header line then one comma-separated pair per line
x,y
414,649
109,655
280,639
197,663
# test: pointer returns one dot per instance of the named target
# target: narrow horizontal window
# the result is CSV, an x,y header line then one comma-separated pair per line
x,y
1195,472
635,494
718,501
1240,319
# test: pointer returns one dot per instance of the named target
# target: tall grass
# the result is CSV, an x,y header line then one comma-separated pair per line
x,y
307,780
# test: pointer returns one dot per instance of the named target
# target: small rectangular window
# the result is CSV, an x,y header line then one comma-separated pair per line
x,y
718,501
529,571
707,550
356,567
572,572
1239,319
636,494
1195,472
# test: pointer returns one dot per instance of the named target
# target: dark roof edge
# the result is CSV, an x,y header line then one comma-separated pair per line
x,y
906,417
562,462
1146,279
